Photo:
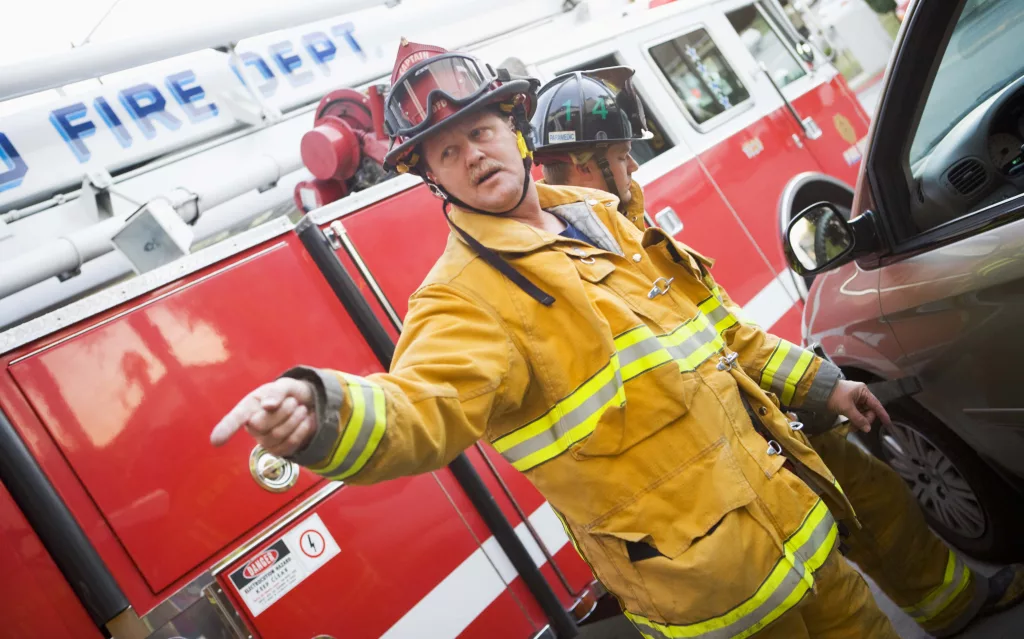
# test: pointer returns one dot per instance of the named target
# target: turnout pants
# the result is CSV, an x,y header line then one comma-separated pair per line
x,y
895,547
841,607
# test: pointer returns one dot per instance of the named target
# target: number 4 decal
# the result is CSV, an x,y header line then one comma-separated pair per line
x,y
599,109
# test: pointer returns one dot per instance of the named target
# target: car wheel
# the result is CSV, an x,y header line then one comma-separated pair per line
x,y
964,501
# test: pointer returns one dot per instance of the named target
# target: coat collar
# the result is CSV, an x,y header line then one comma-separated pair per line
x,y
636,201
511,236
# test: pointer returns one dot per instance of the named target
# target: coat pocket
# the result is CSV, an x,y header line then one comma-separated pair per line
x,y
683,507
653,400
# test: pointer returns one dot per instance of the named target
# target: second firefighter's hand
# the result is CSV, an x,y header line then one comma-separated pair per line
x,y
854,401
280,416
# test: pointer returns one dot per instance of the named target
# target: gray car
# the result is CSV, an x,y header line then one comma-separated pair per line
x,y
922,279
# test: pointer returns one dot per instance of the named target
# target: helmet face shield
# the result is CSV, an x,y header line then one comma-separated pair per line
x,y
434,89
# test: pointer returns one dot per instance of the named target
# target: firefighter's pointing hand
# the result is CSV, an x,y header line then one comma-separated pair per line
x,y
278,415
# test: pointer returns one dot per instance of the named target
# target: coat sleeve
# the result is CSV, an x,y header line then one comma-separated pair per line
x,y
454,369
797,376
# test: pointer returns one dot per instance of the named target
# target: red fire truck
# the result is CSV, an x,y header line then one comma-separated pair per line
x,y
145,223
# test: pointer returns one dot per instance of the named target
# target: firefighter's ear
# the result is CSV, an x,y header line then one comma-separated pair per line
x,y
584,168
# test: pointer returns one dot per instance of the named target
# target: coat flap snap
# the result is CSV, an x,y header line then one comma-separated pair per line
x,y
682,507
592,269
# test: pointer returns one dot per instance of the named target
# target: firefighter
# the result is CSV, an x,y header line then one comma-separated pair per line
x,y
894,545
603,364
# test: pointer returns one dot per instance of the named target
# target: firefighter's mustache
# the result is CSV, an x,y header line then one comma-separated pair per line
x,y
485,171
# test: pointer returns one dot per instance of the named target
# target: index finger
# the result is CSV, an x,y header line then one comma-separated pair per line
x,y
879,410
234,420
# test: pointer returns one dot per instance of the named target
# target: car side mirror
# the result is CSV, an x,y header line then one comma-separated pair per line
x,y
818,238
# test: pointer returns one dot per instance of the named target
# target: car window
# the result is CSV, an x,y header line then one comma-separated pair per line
x,y
967,152
698,72
983,56
766,45
643,150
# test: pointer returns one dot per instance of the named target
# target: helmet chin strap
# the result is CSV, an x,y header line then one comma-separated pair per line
x,y
492,258
486,254
609,179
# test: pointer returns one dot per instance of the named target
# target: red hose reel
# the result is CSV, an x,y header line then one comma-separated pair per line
x,y
348,128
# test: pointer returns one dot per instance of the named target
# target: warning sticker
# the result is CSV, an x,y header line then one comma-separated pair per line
x,y
284,564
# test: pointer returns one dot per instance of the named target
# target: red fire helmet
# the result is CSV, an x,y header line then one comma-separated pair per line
x,y
431,87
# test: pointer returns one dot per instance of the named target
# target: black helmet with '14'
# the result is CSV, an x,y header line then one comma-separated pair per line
x,y
587,111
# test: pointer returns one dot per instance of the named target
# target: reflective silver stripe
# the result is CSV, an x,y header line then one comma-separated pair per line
x,y
718,314
785,369
955,580
570,420
638,351
787,583
692,345
362,432
365,431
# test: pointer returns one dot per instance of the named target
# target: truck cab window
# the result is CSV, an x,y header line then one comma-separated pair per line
x,y
796,20
766,45
697,71
643,150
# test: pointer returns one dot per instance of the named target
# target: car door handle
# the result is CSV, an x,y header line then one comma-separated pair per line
x,y
889,391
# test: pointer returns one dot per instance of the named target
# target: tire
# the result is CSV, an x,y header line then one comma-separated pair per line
x,y
963,500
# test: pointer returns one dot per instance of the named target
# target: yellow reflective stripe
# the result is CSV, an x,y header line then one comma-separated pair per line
x,y
348,433
791,382
570,402
692,343
569,421
694,359
574,417
645,364
571,436
633,336
835,482
785,368
787,583
375,435
772,367
718,313
685,331
955,579
639,350
362,431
